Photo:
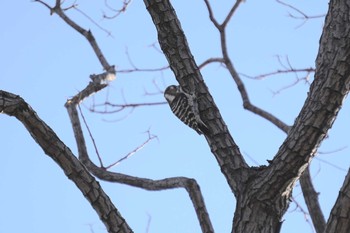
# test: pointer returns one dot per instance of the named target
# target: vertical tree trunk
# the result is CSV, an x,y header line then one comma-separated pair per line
x,y
264,199
263,193
254,216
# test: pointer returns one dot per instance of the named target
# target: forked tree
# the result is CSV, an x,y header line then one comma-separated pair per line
x,y
262,193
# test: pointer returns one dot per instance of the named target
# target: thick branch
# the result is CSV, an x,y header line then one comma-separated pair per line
x,y
327,92
174,45
339,218
190,185
311,200
331,85
98,83
326,95
316,213
13,105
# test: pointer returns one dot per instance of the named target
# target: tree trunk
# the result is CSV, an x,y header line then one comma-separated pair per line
x,y
13,105
339,219
252,215
263,193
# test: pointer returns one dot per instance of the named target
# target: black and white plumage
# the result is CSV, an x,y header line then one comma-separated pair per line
x,y
185,107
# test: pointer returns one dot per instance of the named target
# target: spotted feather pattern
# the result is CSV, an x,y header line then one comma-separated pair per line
x,y
185,108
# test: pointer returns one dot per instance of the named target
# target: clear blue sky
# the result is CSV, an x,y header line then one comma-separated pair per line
x,y
45,61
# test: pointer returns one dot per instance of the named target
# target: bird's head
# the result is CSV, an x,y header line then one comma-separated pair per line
x,y
170,93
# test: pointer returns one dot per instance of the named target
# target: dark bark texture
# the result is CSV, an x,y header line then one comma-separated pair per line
x,y
174,45
339,219
311,200
13,105
263,193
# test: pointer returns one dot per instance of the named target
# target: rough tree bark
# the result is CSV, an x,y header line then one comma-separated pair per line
x,y
262,193
13,105
339,218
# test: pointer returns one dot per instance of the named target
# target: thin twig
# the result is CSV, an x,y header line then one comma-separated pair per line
x,y
330,164
135,69
211,60
117,11
121,107
332,151
303,16
305,213
93,21
86,33
211,14
232,11
131,153
278,72
92,138
155,47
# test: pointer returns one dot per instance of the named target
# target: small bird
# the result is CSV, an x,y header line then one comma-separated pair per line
x,y
185,107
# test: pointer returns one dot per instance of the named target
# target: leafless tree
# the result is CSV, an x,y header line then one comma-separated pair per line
x,y
263,193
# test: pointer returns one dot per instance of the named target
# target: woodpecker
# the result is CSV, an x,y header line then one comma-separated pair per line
x,y
185,107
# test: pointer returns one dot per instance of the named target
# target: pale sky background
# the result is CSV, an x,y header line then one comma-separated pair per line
x,y
44,61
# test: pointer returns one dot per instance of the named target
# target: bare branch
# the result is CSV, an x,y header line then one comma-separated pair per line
x,y
135,69
279,72
252,159
222,26
332,151
150,138
330,164
98,83
303,16
117,11
178,182
155,47
287,69
233,10
149,219
13,105
87,34
313,205
227,61
121,107
338,220
92,138
296,81
174,44
131,153
246,102
211,60
211,14
74,4
94,86
91,20
305,213
327,92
